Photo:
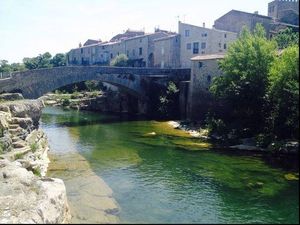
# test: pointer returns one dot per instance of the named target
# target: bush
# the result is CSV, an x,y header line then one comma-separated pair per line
x,y
120,61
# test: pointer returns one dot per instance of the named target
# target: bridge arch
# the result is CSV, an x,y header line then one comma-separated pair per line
x,y
35,83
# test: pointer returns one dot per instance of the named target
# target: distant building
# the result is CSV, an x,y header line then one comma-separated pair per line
x,y
91,42
127,34
234,21
195,40
204,69
285,11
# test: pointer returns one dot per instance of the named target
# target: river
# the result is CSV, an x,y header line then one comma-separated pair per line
x,y
153,173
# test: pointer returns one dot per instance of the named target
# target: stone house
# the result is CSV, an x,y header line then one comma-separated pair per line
x,y
196,40
204,69
167,52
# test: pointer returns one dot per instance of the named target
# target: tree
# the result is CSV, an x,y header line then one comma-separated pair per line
x,y
59,60
169,101
287,38
120,61
41,61
283,93
243,86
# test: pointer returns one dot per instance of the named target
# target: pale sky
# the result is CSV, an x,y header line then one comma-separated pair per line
x,y
32,27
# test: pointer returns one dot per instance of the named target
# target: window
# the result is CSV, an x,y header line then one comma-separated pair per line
x,y
141,40
133,52
111,55
225,46
188,46
81,50
204,35
195,47
103,47
140,51
220,45
127,53
187,33
203,45
200,64
225,35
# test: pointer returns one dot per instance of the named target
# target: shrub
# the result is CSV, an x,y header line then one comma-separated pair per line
x,y
34,147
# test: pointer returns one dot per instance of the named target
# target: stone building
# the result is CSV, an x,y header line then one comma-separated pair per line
x,y
196,40
234,21
167,52
138,48
204,69
285,11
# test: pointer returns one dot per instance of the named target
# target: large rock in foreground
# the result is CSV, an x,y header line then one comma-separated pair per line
x,y
26,198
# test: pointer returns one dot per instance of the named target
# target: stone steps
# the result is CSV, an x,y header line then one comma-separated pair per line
x,y
13,126
19,144
17,153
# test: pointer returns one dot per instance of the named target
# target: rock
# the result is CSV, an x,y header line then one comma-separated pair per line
x,y
11,96
25,198
291,177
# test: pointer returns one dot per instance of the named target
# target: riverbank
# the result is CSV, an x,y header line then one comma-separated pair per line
x,y
246,144
26,194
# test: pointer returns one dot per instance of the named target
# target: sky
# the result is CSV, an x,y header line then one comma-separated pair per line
x,y
32,27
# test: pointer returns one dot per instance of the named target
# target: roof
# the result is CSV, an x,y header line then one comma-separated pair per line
x,y
206,28
237,11
166,38
208,57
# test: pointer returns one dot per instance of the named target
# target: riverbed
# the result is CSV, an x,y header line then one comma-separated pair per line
x,y
120,169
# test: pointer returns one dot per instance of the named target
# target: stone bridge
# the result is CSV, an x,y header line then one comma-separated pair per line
x,y
35,83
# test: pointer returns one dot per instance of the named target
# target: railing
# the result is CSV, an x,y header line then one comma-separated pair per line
x,y
5,75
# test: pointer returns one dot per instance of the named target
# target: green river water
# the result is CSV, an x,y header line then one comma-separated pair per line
x,y
168,176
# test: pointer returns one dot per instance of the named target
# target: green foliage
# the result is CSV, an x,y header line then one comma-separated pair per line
x,y
41,61
244,83
1,148
286,38
91,85
120,61
34,147
19,156
283,93
59,59
6,67
169,101
37,171
66,100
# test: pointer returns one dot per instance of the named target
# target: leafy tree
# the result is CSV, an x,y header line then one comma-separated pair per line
x,y
283,93
4,66
41,61
169,101
120,61
59,60
243,86
287,38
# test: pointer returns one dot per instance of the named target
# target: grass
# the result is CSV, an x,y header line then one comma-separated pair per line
x,y
37,172
19,156
34,147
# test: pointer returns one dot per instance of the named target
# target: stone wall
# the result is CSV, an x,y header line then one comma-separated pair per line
x,y
167,52
199,100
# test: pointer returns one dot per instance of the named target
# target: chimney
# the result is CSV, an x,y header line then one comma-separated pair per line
x,y
80,45
203,25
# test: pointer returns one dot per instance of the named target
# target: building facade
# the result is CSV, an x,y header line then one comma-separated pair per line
x,y
204,69
195,40
167,52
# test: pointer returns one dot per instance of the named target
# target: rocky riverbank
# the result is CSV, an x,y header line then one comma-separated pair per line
x,y
109,101
245,144
26,194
